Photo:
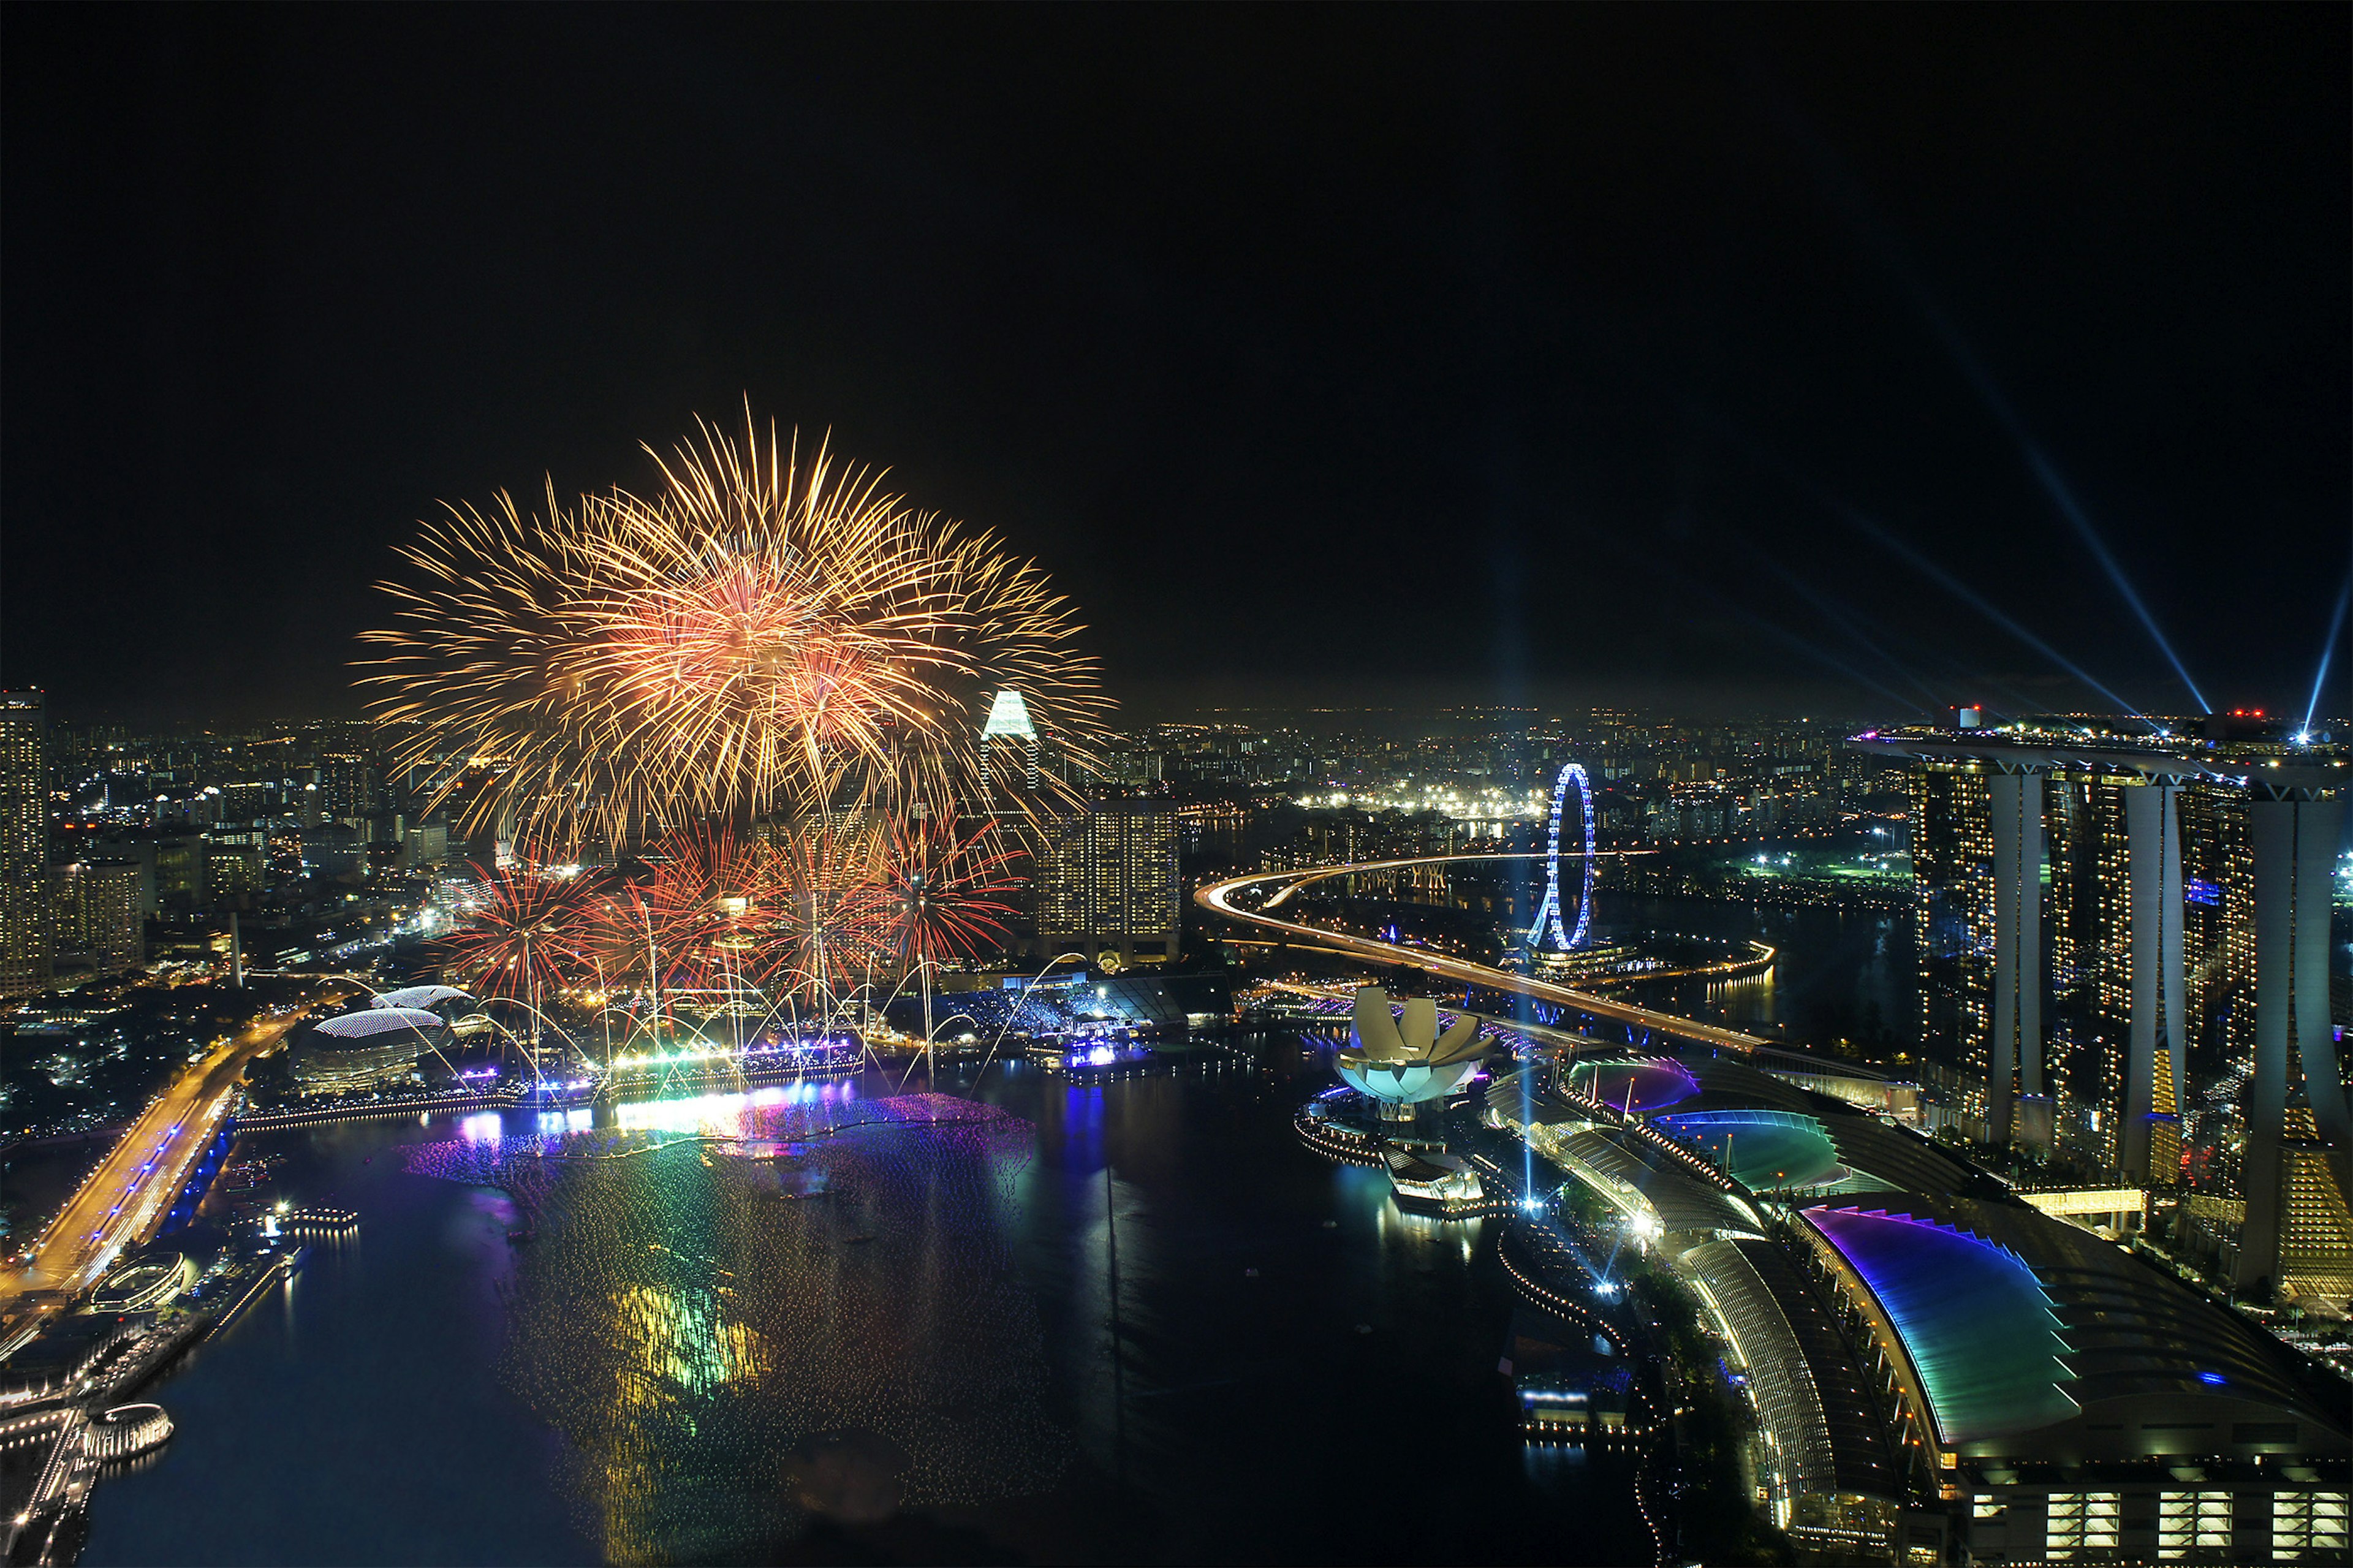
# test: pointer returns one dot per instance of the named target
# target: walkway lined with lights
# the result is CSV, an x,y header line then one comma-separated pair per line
x,y
1217,898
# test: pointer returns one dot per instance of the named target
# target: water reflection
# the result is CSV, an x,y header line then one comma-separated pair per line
x,y
687,1313
684,1331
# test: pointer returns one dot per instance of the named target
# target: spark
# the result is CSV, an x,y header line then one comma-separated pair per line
x,y
945,894
832,884
520,941
758,635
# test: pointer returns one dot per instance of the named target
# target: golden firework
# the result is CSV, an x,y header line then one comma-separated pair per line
x,y
756,637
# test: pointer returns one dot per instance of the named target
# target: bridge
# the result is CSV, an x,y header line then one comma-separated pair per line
x,y
125,1200
1217,898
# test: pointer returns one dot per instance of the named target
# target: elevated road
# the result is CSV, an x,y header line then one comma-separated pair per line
x,y
1217,898
125,1201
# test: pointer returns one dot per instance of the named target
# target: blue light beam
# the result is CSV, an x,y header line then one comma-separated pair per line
x,y
1983,606
2328,652
1791,475
1846,194
2055,486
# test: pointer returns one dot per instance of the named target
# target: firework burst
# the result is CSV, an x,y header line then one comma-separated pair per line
x,y
944,896
757,637
715,909
523,941
838,914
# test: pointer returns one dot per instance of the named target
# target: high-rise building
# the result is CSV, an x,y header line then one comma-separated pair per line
x,y
1009,743
1109,882
234,874
183,872
27,933
2109,990
425,845
348,788
101,920
2189,898
1952,872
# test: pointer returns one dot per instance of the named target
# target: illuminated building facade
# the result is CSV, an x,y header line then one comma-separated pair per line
x,y
26,937
349,790
1952,871
2295,833
2078,1404
2189,900
101,920
376,1048
1109,884
233,875
1943,1369
1009,742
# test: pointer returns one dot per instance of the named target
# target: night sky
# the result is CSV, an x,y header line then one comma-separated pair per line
x,y
1647,355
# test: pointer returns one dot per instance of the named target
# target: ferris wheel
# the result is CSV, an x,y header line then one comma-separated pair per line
x,y
1550,931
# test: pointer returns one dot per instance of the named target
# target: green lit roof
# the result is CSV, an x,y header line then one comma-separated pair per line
x,y
1974,1318
1761,1149
1008,715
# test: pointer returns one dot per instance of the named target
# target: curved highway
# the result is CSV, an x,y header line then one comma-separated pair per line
x,y
125,1199
1217,898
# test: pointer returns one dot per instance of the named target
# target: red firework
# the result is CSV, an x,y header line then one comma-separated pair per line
x,y
945,897
837,917
716,909
523,940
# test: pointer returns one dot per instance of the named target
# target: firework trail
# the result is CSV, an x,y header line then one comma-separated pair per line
x,y
757,637
522,942
944,895
837,912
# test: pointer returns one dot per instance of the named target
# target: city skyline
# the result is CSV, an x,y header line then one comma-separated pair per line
x,y
1733,358
936,785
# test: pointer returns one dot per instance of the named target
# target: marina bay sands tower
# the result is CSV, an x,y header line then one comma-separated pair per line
x,y
2016,1104
1992,807
2299,1131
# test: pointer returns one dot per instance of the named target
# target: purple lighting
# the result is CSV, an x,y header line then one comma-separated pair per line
x,y
1974,1319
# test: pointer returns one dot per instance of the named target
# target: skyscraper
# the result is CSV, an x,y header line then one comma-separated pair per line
x,y
1952,870
100,915
1109,882
1009,742
348,788
26,937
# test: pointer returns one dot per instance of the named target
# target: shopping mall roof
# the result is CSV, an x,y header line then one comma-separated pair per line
x,y
2036,1340
1764,1151
1641,1086
1974,1321
1893,1156
1680,1202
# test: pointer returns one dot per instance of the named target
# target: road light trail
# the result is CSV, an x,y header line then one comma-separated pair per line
x,y
125,1201
1217,898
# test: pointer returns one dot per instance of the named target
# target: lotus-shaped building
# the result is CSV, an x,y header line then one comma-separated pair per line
x,y
1402,1061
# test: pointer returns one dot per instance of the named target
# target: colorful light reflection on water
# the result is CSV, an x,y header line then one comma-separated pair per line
x,y
713,1281
906,1299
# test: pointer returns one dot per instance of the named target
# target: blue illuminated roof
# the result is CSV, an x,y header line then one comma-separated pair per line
x,y
1975,1320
